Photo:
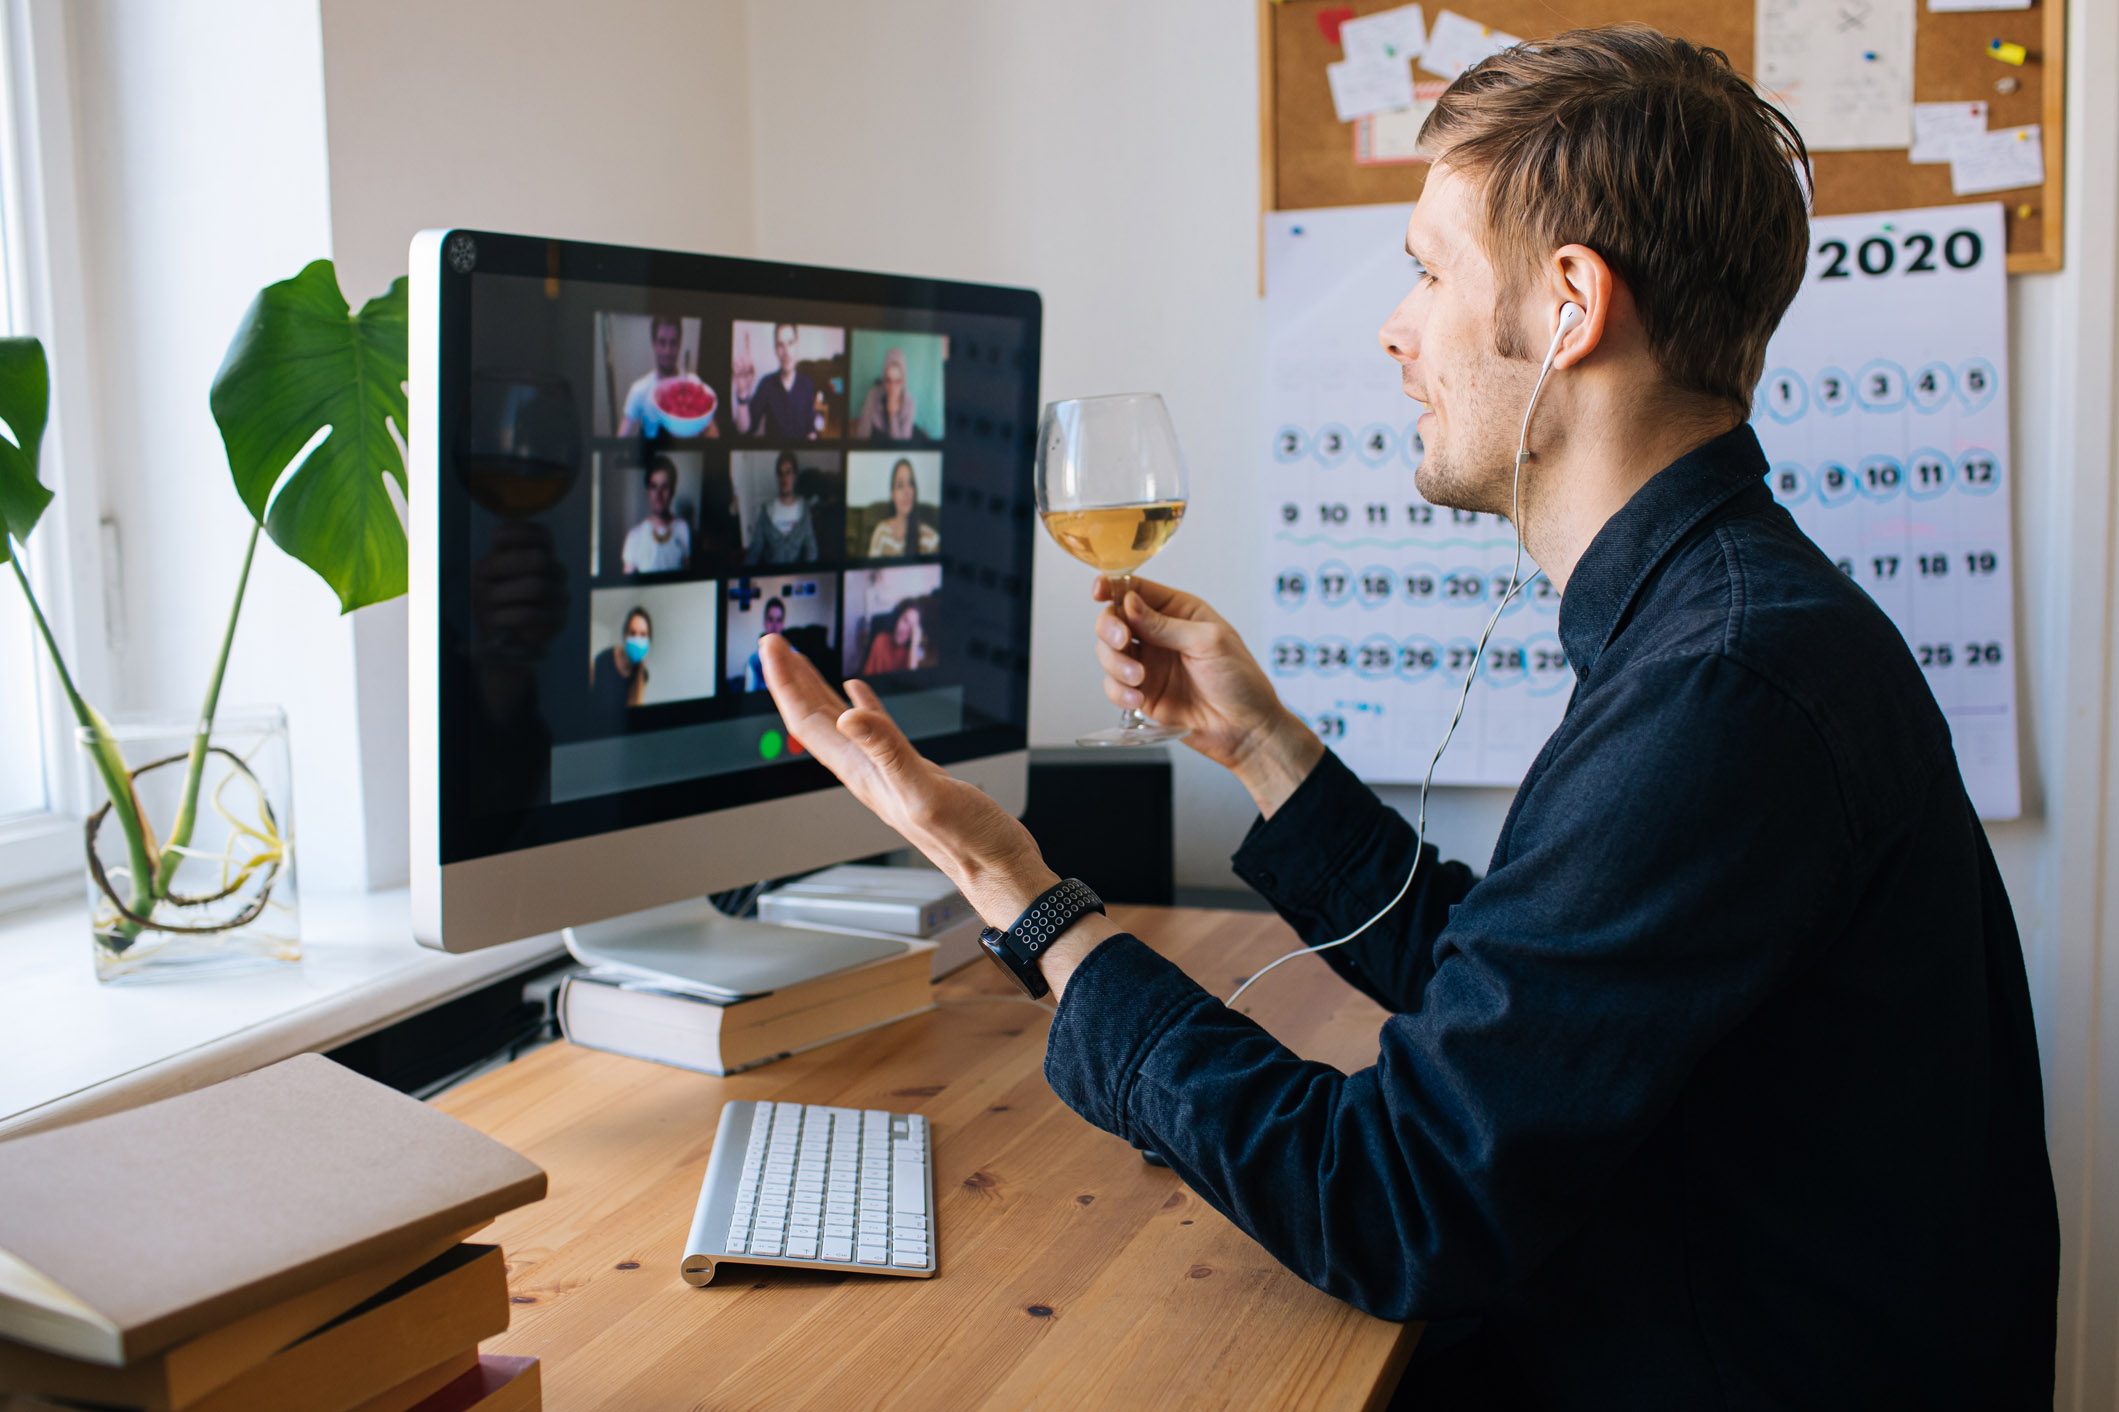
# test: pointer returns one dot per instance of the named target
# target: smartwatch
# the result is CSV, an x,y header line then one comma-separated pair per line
x,y
1019,949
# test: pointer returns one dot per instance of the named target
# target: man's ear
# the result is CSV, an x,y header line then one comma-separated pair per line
x,y
1578,275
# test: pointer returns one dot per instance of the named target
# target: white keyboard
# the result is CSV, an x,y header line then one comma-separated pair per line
x,y
817,1188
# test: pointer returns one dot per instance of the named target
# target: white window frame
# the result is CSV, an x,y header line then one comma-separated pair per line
x,y
40,220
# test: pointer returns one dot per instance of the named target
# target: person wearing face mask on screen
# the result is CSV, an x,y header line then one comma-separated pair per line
x,y
618,676
1720,1088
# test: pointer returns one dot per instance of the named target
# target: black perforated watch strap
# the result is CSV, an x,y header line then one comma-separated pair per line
x,y
1019,949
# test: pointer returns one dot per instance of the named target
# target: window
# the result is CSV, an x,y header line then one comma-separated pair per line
x,y
40,837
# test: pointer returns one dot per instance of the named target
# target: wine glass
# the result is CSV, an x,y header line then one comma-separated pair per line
x,y
1111,491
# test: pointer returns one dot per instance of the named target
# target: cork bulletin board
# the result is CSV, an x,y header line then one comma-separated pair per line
x,y
1307,156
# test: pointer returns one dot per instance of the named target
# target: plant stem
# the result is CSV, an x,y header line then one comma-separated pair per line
x,y
109,760
202,735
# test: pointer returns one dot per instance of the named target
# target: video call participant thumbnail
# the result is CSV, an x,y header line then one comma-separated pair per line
x,y
897,383
661,542
890,619
675,513
650,645
895,503
653,358
798,393
802,608
792,504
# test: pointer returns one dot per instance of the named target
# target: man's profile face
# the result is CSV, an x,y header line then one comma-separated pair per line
x,y
784,347
669,342
661,489
775,617
784,478
1442,336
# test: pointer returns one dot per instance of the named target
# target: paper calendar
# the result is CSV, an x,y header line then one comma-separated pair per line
x,y
1883,414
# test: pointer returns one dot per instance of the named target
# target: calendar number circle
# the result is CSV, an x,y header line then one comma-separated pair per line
x,y
1333,443
1498,586
1978,472
1928,473
1881,385
1329,656
1785,396
1463,586
1290,655
1291,588
1880,477
1418,657
1834,391
1290,444
1335,583
1506,664
1413,448
1976,383
1931,387
1789,482
1835,485
1420,583
1377,443
1547,666
1375,586
1376,658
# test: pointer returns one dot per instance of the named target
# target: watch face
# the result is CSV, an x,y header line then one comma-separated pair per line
x,y
991,941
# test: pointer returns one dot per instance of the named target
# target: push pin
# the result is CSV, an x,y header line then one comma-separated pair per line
x,y
2008,85
2023,212
2007,51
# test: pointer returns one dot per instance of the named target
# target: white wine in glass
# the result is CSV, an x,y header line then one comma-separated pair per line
x,y
1111,490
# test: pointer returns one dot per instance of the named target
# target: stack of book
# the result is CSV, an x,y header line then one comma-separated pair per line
x,y
292,1240
665,1019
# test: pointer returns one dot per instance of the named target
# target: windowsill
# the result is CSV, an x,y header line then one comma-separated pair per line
x,y
71,1048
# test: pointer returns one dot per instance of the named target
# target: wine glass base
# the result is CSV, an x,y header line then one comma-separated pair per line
x,y
1147,733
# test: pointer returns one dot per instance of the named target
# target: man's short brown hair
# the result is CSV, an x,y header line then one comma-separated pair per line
x,y
1656,154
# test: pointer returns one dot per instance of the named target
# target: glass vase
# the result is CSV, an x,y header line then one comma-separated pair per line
x,y
163,906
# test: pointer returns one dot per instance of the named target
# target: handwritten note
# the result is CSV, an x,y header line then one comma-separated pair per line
x,y
1937,126
1457,43
1364,86
1391,34
1842,69
2002,160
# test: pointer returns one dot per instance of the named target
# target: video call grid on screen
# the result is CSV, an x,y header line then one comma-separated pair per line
x,y
871,446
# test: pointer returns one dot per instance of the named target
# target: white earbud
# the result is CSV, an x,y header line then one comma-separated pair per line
x,y
1571,317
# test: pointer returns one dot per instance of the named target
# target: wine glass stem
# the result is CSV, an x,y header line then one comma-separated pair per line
x,y
1129,717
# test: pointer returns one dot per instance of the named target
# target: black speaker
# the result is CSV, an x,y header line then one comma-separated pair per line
x,y
1105,816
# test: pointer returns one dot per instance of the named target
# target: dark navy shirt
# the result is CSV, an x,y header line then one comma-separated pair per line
x,y
1719,1090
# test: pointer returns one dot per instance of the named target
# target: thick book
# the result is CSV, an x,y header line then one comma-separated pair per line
x,y
498,1383
128,1234
178,1377
431,1316
669,1023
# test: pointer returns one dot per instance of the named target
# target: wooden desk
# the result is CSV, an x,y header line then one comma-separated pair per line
x,y
1072,1274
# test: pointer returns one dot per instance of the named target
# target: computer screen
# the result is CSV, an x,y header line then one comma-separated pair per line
x,y
646,461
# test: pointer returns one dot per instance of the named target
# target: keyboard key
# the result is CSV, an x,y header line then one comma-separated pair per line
x,y
762,1244
872,1255
802,1248
838,1248
907,1258
736,1242
908,1187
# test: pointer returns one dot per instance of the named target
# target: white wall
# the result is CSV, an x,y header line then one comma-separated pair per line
x,y
199,129
625,121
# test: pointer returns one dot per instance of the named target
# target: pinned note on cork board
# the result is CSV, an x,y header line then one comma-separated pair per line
x,y
2009,60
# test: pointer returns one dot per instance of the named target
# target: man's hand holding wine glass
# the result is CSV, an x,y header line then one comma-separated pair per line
x,y
1188,668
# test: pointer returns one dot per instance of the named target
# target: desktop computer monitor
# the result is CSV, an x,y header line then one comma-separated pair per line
x,y
627,466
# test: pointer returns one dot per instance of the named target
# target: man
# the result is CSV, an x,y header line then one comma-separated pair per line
x,y
1720,1088
661,543
775,622
641,417
784,405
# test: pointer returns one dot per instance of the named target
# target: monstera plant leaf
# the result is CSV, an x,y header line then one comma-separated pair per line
x,y
302,361
25,396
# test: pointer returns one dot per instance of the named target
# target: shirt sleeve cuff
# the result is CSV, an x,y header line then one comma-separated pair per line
x,y
1295,857
1119,1003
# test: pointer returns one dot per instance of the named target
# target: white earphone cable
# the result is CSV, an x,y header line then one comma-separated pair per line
x,y
1515,517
